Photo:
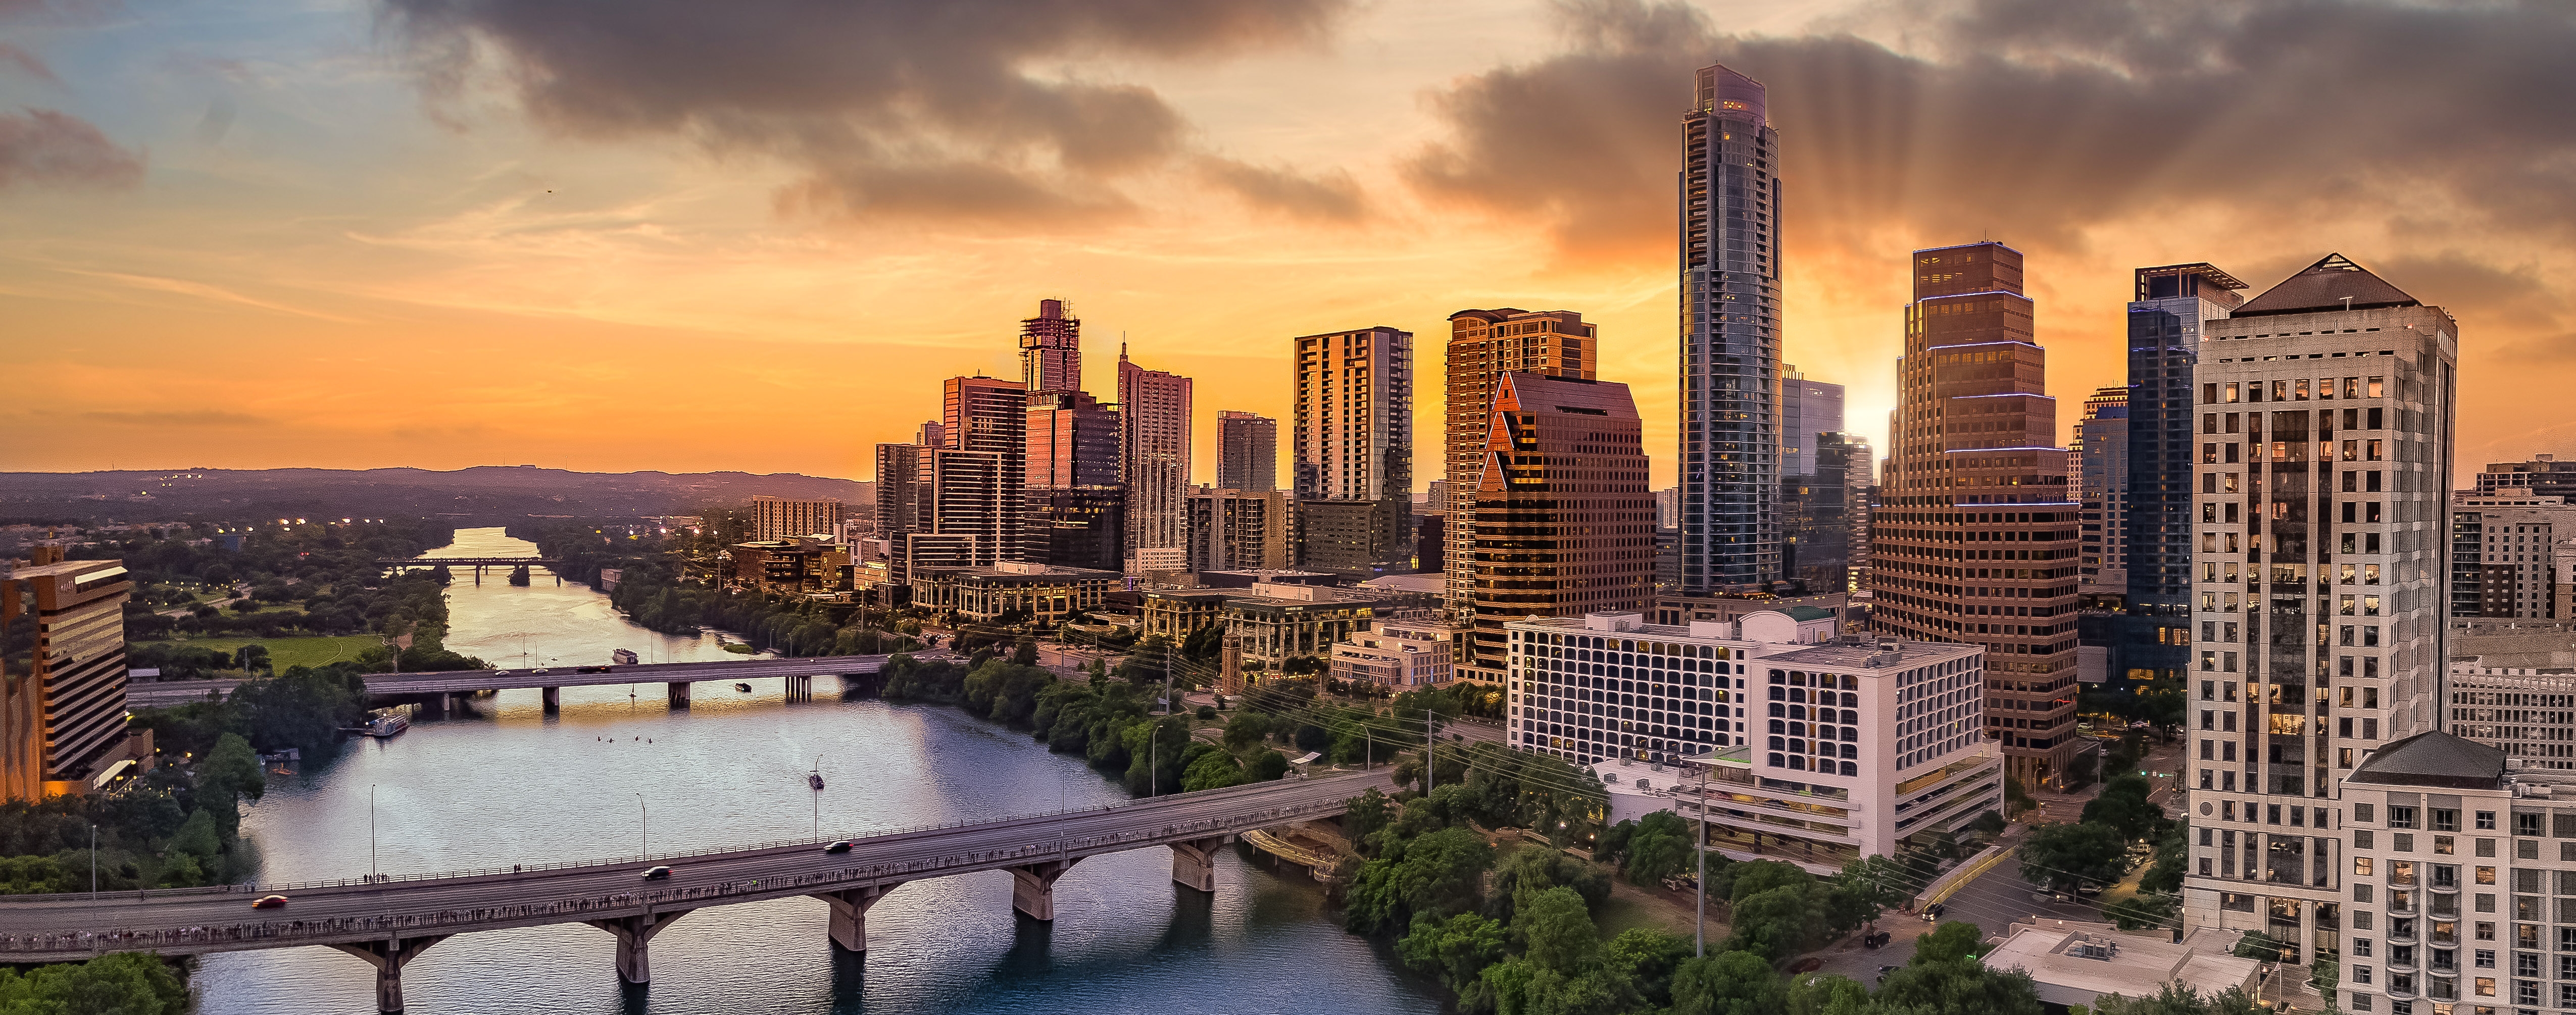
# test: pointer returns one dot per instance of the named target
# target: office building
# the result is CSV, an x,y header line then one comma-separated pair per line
x,y
2169,318
1816,522
62,674
1565,524
1013,591
898,489
1153,457
1431,544
1247,451
1816,748
1730,347
791,567
1977,539
2512,554
2512,686
1668,508
1234,530
1051,349
2325,413
2102,493
1860,476
1082,527
783,517
1484,345
2543,475
1352,443
1808,410
1398,653
1077,507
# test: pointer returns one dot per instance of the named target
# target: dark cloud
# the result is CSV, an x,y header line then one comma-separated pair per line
x,y
1334,197
893,107
41,147
2037,119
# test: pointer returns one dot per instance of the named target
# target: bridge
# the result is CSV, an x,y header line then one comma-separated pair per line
x,y
390,921
477,563
434,690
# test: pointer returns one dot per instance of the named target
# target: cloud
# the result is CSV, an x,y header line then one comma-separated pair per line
x,y
207,417
2038,119
890,108
1333,197
41,147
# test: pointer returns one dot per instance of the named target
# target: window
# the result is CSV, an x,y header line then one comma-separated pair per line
x,y
2404,817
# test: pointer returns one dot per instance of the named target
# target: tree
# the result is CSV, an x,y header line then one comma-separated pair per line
x,y
1648,958
2176,999
1727,983
2123,805
128,983
1457,950
1952,941
2061,855
1558,929
1660,847
1025,653
1440,873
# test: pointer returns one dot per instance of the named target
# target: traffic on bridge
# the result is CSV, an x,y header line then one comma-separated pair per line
x,y
675,676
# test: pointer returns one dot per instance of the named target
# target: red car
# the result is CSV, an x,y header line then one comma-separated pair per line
x,y
269,902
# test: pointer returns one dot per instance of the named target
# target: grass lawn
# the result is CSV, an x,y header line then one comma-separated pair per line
x,y
284,652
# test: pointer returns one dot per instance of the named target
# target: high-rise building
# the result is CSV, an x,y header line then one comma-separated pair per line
x,y
1483,345
1815,512
1353,444
2102,491
1077,506
783,517
976,483
1668,513
2543,475
1238,530
1247,451
1565,522
1860,475
1051,349
1730,347
1153,455
1976,540
62,673
1808,409
2171,312
2318,603
2512,552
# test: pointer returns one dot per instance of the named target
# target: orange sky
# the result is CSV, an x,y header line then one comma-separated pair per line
x,y
442,235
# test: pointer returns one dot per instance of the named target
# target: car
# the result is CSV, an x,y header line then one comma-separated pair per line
x,y
1933,912
536,671
657,872
1806,965
269,902
842,846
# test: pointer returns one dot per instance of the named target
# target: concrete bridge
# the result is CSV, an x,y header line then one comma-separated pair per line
x,y
435,689
477,563
390,922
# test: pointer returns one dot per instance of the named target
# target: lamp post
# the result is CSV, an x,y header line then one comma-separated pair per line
x,y
93,863
372,871
648,825
1699,918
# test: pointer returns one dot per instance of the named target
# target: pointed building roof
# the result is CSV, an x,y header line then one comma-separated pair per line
x,y
2326,285
2433,758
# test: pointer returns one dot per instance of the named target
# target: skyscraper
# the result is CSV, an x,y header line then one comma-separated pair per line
x,y
1860,481
62,673
1051,349
1815,514
1730,347
1077,506
1566,523
1247,451
2325,431
1353,443
1238,530
1807,409
2102,493
976,483
781,517
1976,535
1154,456
2174,305
1483,345
2512,552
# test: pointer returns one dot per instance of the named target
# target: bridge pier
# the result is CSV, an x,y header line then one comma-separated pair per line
x,y
850,914
553,697
1033,888
678,691
800,688
1194,862
633,933
389,956
433,707
478,575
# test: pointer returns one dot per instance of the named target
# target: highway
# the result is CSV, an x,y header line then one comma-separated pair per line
x,y
56,928
146,695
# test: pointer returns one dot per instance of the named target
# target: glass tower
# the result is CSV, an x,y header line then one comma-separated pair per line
x,y
2172,304
1730,328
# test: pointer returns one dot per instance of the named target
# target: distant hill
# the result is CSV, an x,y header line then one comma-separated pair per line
x,y
483,495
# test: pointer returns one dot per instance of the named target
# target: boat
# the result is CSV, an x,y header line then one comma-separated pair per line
x,y
385,725
622,657
814,779
744,688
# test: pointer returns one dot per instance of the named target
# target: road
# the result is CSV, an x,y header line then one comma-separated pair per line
x,y
191,921
457,681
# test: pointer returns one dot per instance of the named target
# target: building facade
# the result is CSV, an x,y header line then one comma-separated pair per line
x,y
1817,749
1077,506
977,481
1153,455
2102,493
2169,318
1014,589
1730,328
1564,522
2512,553
1808,411
784,517
1273,623
1352,439
1051,349
1816,518
62,673
2324,440
1247,451
1398,654
1484,345
1977,538
2543,475
1232,530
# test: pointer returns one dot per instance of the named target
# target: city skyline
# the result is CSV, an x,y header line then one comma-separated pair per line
x,y
593,257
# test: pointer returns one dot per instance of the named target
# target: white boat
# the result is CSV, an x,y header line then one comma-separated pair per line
x,y
385,725
621,657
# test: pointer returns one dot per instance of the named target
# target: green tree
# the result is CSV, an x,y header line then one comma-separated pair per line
x,y
128,983
2061,855
1648,958
1213,769
1440,873
2123,806
1558,929
1728,983
1456,950
1952,941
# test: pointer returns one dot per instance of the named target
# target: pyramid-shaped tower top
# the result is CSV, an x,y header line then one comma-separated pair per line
x,y
2334,283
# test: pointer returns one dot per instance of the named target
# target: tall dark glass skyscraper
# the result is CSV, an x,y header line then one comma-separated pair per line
x,y
1730,337
2165,319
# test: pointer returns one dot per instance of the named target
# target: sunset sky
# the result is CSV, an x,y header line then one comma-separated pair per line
x,y
754,235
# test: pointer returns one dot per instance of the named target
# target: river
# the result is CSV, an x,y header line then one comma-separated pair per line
x,y
510,784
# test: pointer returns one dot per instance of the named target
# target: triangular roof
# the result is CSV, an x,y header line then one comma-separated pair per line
x,y
2433,758
2324,286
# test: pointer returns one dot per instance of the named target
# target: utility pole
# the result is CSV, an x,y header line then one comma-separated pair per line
x,y
1699,919
1430,738
648,825
372,869
93,863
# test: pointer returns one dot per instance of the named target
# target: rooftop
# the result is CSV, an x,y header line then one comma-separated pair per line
x,y
2433,758
2076,963
2334,283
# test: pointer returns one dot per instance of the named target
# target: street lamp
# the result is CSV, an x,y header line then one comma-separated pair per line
x,y
648,825
372,874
